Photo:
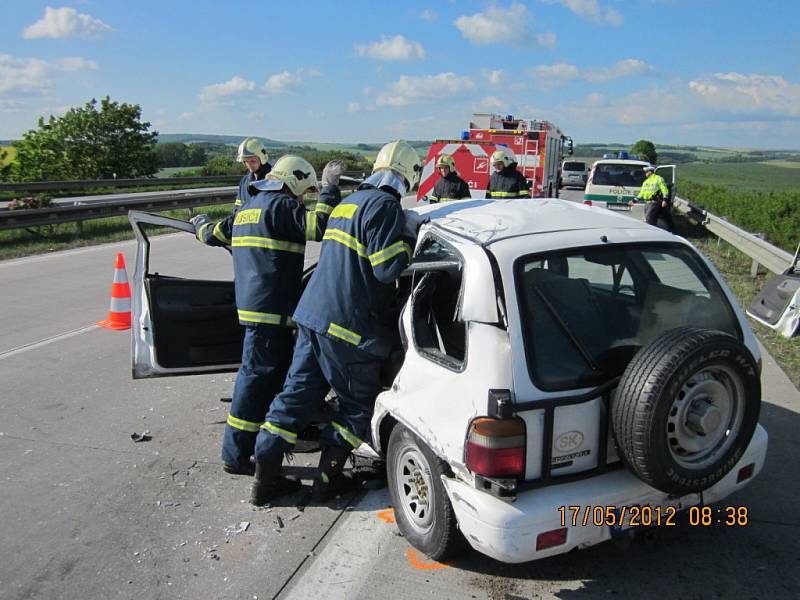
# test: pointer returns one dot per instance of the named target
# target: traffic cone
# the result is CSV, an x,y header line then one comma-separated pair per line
x,y
119,314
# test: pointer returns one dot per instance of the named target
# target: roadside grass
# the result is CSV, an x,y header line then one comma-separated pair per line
x,y
735,268
11,154
15,243
759,176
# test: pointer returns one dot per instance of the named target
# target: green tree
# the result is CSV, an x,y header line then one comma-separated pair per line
x,y
196,156
646,149
172,154
223,165
5,167
90,142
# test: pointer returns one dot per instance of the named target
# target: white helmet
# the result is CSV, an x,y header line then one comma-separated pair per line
x,y
401,158
252,147
649,169
296,173
503,155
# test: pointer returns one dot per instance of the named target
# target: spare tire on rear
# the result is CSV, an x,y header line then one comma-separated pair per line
x,y
686,408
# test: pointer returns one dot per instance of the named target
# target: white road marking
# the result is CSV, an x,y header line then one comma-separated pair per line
x,y
343,567
46,341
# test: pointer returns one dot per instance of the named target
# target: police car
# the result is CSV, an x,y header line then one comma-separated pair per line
x,y
561,374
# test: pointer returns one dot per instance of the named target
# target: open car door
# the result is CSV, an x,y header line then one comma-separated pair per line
x,y
180,326
668,173
778,304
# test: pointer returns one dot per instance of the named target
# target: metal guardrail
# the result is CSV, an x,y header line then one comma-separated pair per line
x,y
115,205
50,186
761,251
84,208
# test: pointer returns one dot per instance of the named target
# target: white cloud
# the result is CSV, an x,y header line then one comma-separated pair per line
x,y
216,92
495,77
754,94
492,104
396,48
561,73
498,25
428,15
427,88
591,10
354,107
34,75
65,22
286,82
71,64
186,116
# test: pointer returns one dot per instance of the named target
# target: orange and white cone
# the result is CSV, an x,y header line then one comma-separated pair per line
x,y
119,314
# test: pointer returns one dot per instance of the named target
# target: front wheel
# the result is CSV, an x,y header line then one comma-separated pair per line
x,y
421,506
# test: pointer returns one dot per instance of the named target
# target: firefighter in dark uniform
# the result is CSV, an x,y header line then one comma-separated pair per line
x,y
449,186
267,236
254,156
342,335
506,182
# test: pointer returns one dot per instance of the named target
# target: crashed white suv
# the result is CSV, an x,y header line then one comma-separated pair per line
x,y
561,374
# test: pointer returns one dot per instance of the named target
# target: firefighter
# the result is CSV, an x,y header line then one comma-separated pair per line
x,y
506,181
449,186
342,328
254,156
267,237
655,192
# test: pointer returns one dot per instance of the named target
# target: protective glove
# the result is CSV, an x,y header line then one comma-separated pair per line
x,y
413,222
198,221
332,172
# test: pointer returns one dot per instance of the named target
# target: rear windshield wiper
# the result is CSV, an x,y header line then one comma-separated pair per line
x,y
572,337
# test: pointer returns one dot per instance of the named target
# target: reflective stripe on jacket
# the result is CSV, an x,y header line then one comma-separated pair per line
x,y
267,237
449,188
243,195
363,253
652,186
508,183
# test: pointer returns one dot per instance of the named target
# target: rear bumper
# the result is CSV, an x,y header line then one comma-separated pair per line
x,y
508,531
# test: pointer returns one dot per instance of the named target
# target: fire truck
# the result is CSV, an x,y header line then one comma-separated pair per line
x,y
539,147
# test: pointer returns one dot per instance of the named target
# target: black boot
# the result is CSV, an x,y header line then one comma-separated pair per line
x,y
269,483
330,481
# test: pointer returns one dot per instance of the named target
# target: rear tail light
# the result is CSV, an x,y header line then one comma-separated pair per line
x,y
745,472
587,202
496,447
549,539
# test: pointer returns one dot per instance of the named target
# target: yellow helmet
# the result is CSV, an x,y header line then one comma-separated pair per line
x,y
252,147
401,158
503,155
296,173
445,160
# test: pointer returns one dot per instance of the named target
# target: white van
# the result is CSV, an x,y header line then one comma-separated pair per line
x,y
617,181
573,173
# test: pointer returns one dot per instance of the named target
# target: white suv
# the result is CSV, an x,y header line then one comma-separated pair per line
x,y
561,373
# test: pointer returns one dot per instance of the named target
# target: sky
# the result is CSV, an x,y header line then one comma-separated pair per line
x,y
692,72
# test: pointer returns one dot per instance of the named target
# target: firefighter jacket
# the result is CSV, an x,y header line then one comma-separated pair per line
x,y
243,195
268,239
449,188
508,183
653,188
363,252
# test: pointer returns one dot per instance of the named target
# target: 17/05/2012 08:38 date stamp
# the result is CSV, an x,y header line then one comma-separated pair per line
x,y
650,516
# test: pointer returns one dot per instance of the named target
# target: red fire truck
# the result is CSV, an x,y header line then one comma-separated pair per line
x,y
539,147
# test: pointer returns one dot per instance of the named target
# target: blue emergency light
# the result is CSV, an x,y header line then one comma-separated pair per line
x,y
623,155
509,117
465,135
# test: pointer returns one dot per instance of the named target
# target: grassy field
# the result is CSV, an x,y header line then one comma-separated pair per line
x,y
170,171
11,154
759,176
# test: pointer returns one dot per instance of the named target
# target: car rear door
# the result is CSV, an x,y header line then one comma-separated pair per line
x,y
180,325
668,173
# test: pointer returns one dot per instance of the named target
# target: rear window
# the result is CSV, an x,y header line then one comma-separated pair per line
x,y
574,166
618,174
586,312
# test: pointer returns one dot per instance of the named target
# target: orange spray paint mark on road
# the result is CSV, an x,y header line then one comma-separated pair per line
x,y
416,561
387,516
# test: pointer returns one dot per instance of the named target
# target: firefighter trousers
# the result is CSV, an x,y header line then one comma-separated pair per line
x,y
266,355
319,364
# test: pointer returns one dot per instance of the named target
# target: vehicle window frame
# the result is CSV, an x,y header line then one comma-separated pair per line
x,y
425,268
697,266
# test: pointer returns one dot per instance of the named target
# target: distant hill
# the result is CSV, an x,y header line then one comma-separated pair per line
x,y
233,140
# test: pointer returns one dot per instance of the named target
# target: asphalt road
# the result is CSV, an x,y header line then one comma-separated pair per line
x,y
87,513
